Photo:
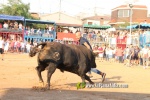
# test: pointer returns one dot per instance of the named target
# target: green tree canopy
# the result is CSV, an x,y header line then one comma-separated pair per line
x,y
16,8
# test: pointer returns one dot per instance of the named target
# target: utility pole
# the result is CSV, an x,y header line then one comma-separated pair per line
x,y
131,6
59,9
95,13
40,9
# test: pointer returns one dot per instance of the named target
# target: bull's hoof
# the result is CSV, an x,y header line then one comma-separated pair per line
x,y
38,88
41,87
91,82
81,85
41,84
47,87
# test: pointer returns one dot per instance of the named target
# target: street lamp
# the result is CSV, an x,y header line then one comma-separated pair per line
x,y
131,6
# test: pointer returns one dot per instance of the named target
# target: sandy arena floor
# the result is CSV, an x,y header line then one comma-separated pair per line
x,y
18,76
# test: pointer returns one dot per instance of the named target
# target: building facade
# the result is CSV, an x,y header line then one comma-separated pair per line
x,y
123,13
63,18
96,20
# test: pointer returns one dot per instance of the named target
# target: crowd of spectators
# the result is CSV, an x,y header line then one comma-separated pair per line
x,y
130,56
11,25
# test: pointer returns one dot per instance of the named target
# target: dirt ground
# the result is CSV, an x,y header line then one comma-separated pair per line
x,y
18,76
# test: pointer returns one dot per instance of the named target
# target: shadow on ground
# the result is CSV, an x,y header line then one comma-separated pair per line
x,y
28,94
109,79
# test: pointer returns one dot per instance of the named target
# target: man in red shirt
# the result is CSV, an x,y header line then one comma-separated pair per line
x,y
119,54
100,53
1,25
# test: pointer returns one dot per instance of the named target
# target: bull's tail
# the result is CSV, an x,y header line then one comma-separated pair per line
x,y
35,50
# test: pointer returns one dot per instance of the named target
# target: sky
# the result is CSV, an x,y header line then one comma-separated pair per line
x,y
73,7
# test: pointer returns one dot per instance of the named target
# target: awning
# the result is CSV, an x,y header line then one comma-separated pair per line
x,y
39,21
68,25
143,26
9,17
132,27
96,26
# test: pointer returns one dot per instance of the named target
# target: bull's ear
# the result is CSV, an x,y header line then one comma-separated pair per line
x,y
38,49
56,56
95,54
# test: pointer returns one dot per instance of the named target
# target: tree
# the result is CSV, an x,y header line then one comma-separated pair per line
x,y
16,8
124,25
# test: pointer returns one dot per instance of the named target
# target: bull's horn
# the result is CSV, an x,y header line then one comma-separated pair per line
x,y
43,44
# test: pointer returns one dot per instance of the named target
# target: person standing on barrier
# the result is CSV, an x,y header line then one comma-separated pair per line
x,y
85,42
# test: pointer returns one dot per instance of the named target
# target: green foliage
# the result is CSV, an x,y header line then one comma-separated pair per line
x,y
16,8
124,25
41,26
81,85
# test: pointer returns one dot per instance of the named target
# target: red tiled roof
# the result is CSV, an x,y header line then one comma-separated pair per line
x,y
112,21
142,20
134,6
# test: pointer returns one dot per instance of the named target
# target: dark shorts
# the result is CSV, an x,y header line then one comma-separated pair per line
x,y
128,57
131,57
1,51
136,58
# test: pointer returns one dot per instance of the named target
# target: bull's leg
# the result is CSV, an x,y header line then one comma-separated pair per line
x,y
83,78
88,79
51,70
39,70
81,72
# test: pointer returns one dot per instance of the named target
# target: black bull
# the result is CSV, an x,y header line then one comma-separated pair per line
x,y
72,58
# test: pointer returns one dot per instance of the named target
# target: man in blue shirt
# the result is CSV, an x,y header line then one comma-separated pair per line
x,y
85,42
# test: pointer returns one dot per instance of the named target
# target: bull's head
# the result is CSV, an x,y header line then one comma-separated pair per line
x,y
33,51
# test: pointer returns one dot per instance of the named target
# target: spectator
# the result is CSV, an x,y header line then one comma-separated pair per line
x,y
28,47
6,46
2,47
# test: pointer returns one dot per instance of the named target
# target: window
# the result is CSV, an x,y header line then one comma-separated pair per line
x,y
89,23
123,13
148,15
120,13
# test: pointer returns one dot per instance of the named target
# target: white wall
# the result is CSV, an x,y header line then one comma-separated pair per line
x,y
62,18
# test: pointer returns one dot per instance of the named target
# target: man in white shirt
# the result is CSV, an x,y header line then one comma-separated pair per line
x,y
5,25
145,57
2,47
28,47
22,46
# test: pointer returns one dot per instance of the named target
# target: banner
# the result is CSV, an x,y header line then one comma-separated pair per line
x,y
66,36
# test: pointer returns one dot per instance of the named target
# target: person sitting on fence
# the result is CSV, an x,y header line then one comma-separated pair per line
x,y
16,25
20,26
5,25
11,25
39,32
32,31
